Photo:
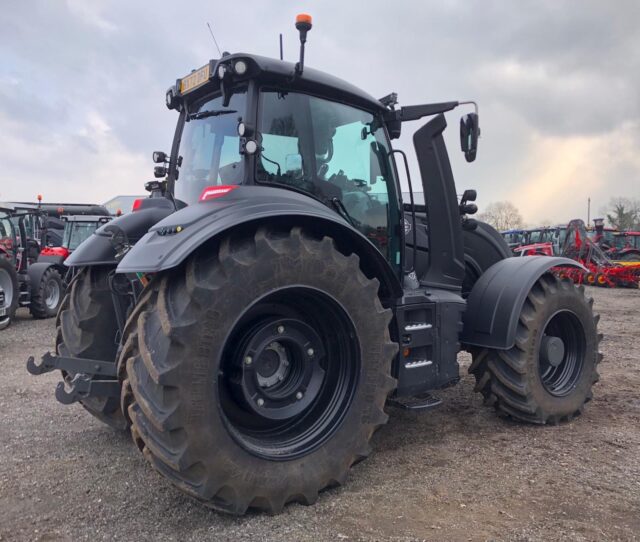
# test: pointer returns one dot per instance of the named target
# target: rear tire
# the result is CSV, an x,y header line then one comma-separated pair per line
x,y
188,369
47,297
483,246
523,385
86,328
9,283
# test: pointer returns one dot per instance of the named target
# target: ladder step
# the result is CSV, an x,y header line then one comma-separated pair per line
x,y
419,402
417,327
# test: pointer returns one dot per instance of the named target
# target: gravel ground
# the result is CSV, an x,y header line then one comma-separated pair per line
x,y
456,473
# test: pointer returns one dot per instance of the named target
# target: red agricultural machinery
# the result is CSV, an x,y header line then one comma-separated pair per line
x,y
601,270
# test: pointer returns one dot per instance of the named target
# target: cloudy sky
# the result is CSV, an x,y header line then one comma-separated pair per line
x,y
82,87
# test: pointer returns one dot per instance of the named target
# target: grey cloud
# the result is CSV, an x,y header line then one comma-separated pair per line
x,y
577,66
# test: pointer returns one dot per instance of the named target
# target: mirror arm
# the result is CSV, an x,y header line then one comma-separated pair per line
x,y
416,112
470,102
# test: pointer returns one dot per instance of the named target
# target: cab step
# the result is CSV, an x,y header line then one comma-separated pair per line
x,y
425,401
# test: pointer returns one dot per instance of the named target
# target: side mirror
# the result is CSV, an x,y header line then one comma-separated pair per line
x,y
159,157
469,195
469,134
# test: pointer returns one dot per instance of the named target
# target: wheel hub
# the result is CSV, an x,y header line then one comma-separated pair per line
x,y
561,353
52,294
552,350
280,365
273,365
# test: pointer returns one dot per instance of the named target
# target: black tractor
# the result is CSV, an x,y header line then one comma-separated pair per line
x,y
250,321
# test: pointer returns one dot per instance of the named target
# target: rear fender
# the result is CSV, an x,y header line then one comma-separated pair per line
x,y
495,302
99,250
36,270
169,242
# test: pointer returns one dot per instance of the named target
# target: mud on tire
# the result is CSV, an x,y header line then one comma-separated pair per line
x,y
526,387
86,327
185,375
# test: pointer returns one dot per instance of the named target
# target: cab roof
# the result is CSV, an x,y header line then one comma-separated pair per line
x,y
281,72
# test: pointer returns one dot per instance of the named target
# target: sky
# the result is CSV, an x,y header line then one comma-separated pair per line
x,y
82,87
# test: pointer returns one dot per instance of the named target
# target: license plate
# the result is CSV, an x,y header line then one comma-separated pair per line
x,y
3,312
195,79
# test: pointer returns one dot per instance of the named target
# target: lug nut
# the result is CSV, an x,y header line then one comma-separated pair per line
x,y
248,360
260,401
281,329
310,352
299,395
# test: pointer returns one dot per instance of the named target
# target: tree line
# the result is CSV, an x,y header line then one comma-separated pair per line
x,y
620,213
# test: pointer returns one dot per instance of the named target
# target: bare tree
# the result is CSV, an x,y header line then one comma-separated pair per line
x,y
502,215
625,213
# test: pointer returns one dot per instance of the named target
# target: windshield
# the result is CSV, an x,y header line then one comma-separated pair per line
x,y
209,147
626,241
337,153
76,232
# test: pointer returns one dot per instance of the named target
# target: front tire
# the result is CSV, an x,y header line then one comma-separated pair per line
x,y
259,370
86,327
540,380
47,297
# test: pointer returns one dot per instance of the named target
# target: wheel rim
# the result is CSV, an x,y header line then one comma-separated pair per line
x,y
7,285
561,353
289,373
52,294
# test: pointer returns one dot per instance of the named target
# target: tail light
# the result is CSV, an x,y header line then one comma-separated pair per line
x,y
136,204
212,192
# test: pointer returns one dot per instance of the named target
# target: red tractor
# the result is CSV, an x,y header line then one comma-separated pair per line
x,y
77,228
31,267
626,246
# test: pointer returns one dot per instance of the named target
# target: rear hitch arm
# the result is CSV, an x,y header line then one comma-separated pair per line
x,y
82,387
91,367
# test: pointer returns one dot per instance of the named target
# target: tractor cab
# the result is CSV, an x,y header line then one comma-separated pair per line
x,y
77,228
247,120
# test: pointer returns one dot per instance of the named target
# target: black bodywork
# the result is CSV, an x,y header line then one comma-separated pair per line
x,y
425,291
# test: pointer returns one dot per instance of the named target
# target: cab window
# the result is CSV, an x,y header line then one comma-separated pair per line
x,y
336,153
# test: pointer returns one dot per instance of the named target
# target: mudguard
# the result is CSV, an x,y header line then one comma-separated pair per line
x,y
99,250
495,302
35,272
170,242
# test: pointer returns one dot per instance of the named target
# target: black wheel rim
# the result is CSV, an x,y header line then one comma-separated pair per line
x,y
561,375
289,372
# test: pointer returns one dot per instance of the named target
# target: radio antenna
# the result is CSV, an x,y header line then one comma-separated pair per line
x,y
281,52
214,39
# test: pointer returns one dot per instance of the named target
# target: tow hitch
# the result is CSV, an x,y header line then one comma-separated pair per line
x,y
83,384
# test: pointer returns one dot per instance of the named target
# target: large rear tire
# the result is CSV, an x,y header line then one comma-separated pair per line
x,y
539,380
47,297
10,286
259,370
87,328
483,246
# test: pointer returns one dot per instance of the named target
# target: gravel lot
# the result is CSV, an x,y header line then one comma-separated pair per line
x,y
456,473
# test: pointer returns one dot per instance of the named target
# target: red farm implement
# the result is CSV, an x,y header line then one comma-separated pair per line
x,y
600,269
